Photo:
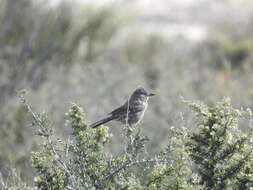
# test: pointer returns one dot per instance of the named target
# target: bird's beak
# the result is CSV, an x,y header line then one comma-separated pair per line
x,y
151,94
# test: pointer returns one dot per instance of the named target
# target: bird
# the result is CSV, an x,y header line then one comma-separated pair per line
x,y
131,112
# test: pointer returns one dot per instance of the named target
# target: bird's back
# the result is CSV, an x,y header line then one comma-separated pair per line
x,y
132,111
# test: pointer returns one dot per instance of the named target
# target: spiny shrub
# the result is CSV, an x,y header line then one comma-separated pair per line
x,y
82,163
221,152
216,155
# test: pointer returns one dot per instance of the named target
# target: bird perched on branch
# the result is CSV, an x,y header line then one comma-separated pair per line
x,y
131,112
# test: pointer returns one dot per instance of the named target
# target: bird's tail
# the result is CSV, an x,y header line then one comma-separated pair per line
x,y
100,122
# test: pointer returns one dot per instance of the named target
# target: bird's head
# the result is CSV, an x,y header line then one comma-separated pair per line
x,y
142,93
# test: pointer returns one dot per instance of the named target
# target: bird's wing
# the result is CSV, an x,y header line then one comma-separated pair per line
x,y
133,108
119,110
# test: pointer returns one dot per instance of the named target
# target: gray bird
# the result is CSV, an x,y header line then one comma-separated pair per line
x,y
130,113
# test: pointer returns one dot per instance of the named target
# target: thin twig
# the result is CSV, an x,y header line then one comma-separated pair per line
x,y
39,122
126,165
29,108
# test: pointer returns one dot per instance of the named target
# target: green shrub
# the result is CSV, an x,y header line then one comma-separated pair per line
x,y
215,155
222,153
80,162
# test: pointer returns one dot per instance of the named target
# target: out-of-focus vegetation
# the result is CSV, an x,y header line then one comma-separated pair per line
x,y
96,56
35,41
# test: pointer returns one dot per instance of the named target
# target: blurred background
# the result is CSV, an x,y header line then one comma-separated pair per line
x,y
95,53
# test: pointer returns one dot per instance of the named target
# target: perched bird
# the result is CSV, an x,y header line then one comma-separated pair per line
x,y
130,113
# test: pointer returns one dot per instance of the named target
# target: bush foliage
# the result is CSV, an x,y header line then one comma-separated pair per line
x,y
215,155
